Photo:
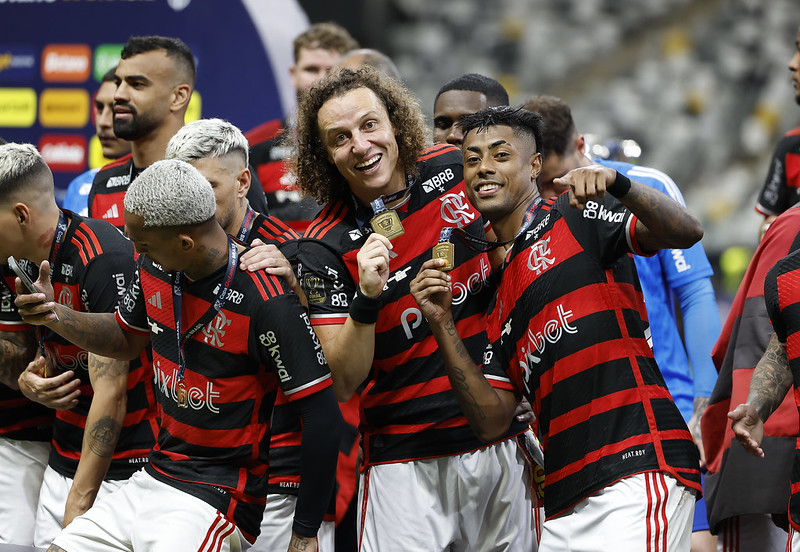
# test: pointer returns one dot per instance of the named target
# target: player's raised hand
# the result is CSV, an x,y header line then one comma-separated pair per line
x,y
373,264
586,183
431,290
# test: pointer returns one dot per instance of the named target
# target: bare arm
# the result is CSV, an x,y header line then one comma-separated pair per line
x,y
769,384
663,222
17,349
96,332
488,410
106,417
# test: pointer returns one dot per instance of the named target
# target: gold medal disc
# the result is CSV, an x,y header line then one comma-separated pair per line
x,y
183,400
387,224
446,251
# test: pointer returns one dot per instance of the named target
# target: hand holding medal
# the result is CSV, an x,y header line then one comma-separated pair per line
x,y
445,249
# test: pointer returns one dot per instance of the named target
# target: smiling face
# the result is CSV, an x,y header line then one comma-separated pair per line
x,y
500,170
448,110
359,139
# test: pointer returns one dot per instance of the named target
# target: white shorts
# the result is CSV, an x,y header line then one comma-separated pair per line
x,y
146,515
793,542
751,533
53,502
475,501
22,465
649,512
276,526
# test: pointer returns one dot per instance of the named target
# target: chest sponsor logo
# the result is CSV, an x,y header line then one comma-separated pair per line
x,y
438,181
270,341
410,319
456,210
537,341
116,181
66,270
474,283
71,359
680,261
214,331
234,296
540,258
595,211
199,398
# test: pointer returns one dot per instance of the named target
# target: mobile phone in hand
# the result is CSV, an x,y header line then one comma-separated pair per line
x,y
26,280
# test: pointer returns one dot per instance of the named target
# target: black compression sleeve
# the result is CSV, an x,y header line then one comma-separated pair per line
x,y
319,448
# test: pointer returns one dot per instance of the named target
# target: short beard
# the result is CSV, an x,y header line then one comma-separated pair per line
x,y
135,129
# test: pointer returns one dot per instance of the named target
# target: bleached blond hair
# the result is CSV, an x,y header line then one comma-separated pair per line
x,y
207,138
171,193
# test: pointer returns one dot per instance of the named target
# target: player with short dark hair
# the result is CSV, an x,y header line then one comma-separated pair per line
x,y
465,94
155,79
361,149
567,330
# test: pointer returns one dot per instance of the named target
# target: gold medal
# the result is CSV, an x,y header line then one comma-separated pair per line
x,y
387,223
446,251
183,400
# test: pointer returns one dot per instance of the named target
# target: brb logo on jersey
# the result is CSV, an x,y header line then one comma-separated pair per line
x,y
456,210
215,330
438,181
540,257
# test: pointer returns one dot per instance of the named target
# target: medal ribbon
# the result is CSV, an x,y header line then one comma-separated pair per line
x,y
484,246
244,231
58,240
212,311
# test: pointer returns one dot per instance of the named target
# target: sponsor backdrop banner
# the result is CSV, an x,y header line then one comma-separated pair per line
x,y
53,54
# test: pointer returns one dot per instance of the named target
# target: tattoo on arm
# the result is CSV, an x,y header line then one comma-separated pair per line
x,y
771,379
471,407
17,349
103,436
103,367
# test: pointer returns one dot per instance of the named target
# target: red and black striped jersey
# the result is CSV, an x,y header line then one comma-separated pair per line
x,y
781,188
217,447
568,330
782,296
408,408
108,191
91,270
107,196
269,156
20,418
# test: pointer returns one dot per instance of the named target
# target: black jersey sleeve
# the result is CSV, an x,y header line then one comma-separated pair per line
x,y
604,227
106,278
283,339
325,280
774,197
131,308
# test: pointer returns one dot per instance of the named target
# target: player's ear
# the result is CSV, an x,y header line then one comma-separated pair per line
x,y
536,166
187,242
22,213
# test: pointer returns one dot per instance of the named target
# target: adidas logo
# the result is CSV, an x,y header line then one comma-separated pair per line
x,y
112,213
155,300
